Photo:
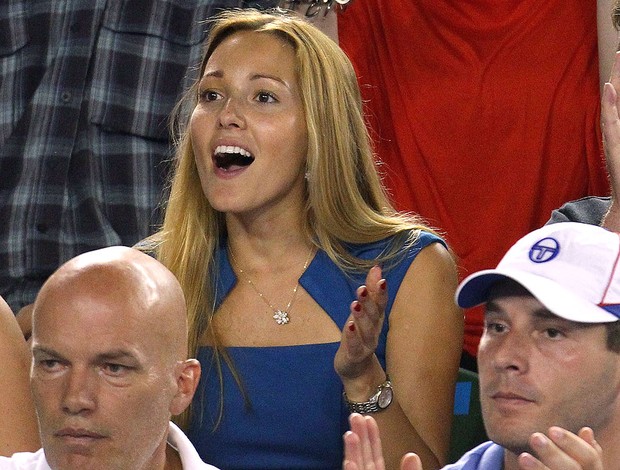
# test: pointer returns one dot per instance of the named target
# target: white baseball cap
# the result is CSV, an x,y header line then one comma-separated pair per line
x,y
572,269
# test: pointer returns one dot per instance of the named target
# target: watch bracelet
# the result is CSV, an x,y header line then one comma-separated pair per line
x,y
367,406
363,408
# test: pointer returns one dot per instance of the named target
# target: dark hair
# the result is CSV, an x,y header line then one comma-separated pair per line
x,y
613,328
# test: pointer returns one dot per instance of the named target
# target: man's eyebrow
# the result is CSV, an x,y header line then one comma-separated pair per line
x,y
492,307
37,349
546,314
542,313
116,354
112,355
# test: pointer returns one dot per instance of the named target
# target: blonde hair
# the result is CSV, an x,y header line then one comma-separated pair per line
x,y
346,202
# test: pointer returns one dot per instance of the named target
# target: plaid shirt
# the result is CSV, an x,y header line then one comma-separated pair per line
x,y
86,89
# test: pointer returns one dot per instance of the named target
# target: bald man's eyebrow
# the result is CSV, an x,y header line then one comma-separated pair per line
x,y
117,355
38,350
108,356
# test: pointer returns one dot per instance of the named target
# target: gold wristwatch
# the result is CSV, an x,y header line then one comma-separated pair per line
x,y
380,400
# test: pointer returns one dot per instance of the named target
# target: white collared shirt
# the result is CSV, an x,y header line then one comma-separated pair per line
x,y
176,438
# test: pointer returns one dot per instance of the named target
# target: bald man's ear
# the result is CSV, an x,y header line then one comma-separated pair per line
x,y
187,376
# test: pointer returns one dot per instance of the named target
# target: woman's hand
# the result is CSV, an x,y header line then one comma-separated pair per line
x,y
355,360
422,350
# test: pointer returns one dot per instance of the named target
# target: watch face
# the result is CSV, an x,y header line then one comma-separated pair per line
x,y
385,398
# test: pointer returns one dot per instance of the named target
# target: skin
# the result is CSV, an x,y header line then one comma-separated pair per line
x,y
250,99
560,450
420,416
363,447
240,106
109,367
610,123
19,431
535,370
607,39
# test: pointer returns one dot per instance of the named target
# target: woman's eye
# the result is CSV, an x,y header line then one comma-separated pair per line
x,y
265,97
208,95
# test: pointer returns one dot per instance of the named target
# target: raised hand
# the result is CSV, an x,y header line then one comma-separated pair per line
x,y
355,356
610,124
362,447
563,450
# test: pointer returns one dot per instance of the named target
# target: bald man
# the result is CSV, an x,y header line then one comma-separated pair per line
x,y
110,367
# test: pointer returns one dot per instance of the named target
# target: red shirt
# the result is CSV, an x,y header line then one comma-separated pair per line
x,y
486,114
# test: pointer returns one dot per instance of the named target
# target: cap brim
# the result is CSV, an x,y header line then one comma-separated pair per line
x,y
474,290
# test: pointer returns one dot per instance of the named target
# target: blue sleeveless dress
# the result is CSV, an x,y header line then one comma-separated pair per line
x,y
295,415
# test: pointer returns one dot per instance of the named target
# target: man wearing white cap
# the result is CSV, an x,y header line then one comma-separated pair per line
x,y
549,357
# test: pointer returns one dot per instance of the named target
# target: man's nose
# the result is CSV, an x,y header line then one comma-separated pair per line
x,y
80,391
512,352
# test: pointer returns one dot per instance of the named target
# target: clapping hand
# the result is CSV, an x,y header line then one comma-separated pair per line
x,y
563,450
362,447
610,123
356,355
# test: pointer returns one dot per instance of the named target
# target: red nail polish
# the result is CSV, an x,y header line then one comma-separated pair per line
x,y
351,326
364,292
382,284
357,307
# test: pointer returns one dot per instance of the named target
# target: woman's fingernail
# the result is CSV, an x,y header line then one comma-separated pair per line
x,y
351,326
364,292
357,307
383,284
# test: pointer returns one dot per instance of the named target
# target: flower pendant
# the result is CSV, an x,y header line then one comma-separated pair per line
x,y
281,317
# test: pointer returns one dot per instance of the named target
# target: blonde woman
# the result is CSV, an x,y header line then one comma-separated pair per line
x,y
276,216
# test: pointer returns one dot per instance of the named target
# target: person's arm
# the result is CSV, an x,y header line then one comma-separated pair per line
x,y
607,39
424,345
316,12
18,432
610,123
327,23
561,449
24,320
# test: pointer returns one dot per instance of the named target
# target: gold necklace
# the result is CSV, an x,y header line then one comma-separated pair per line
x,y
280,316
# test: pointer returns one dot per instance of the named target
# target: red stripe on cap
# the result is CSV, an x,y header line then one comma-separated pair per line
x,y
613,271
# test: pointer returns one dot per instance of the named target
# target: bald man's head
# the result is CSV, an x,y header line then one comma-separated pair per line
x,y
124,279
109,350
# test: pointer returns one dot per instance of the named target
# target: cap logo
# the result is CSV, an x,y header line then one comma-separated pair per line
x,y
544,250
